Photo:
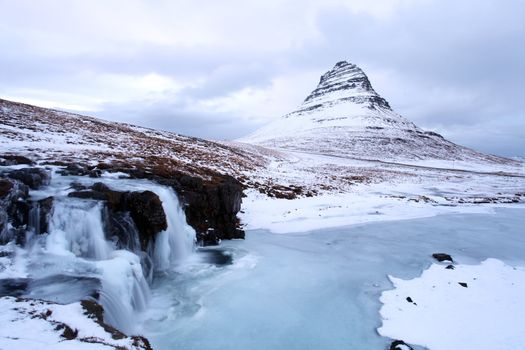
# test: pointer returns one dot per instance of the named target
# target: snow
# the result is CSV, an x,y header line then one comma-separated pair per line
x,y
487,314
31,324
333,210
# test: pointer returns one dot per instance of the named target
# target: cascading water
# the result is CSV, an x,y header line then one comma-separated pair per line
x,y
76,228
177,242
76,259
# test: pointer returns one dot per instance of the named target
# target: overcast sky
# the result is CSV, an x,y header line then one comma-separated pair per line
x,y
221,69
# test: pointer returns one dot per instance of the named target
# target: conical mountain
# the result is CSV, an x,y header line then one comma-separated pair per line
x,y
345,116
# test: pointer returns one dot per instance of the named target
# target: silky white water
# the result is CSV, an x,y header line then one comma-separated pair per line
x,y
317,290
76,260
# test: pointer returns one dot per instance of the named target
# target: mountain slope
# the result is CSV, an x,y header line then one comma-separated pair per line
x,y
49,135
345,116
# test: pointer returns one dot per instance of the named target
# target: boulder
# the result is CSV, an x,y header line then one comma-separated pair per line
x,y
442,257
400,345
32,177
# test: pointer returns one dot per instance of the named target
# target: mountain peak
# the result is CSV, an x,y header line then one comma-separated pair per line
x,y
346,82
346,117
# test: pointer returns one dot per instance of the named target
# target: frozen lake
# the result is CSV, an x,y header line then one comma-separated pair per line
x,y
316,290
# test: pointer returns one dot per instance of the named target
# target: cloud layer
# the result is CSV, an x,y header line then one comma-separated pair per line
x,y
221,69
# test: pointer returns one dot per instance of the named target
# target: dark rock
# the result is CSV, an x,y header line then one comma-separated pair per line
x,y
144,208
450,267
211,209
9,159
14,209
214,256
463,284
15,287
95,173
147,213
120,227
400,345
211,205
442,257
75,169
100,187
68,333
40,214
95,311
78,186
141,342
5,188
32,177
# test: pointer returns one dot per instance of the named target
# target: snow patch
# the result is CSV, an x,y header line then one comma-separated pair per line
x,y
34,324
470,307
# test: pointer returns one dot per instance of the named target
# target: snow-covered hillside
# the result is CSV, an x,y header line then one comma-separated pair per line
x,y
54,136
344,116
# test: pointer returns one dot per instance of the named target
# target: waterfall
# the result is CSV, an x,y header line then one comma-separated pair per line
x,y
177,242
76,228
77,251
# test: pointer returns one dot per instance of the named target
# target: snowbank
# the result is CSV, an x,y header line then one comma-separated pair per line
x,y
342,209
35,324
468,307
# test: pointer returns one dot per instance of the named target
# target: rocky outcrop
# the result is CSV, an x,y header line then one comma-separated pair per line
x,y
146,211
14,210
144,208
211,207
442,257
76,169
14,159
32,177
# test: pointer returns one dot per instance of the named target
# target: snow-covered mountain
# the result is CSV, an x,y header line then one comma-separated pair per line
x,y
345,116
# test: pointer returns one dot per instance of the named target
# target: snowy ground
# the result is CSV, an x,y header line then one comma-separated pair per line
x,y
383,192
31,324
478,307
342,209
